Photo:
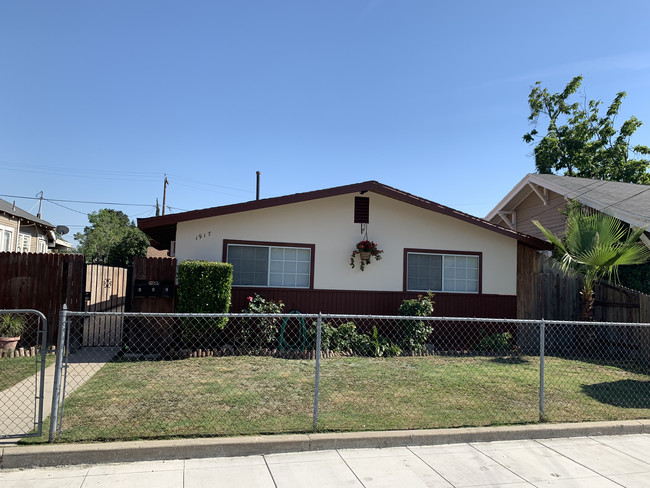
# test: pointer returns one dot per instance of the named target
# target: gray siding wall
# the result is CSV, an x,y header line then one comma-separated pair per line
x,y
550,216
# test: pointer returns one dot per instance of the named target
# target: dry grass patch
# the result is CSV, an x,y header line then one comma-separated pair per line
x,y
252,395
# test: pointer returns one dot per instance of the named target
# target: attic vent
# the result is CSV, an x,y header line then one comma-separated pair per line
x,y
361,210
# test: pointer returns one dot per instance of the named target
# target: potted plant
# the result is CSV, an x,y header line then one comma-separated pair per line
x,y
366,250
11,327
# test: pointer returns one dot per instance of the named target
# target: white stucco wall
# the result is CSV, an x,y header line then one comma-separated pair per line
x,y
328,224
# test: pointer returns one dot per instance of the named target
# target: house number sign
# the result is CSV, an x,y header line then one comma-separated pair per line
x,y
203,235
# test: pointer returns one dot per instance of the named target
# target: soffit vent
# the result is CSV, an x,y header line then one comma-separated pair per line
x,y
361,210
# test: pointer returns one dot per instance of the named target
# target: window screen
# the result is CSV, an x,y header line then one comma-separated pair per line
x,y
442,272
270,266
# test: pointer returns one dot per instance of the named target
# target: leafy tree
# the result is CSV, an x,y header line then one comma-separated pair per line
x,y
581,141
111,238
595,245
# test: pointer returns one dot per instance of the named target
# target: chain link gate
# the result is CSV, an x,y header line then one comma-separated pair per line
x,y
23,359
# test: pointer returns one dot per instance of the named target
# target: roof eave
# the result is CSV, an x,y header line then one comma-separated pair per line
x,y
165,222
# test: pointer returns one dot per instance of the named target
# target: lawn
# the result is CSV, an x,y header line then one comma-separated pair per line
x,y
219,396
14,370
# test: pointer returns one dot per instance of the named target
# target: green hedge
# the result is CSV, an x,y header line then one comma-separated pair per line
x,y
204,287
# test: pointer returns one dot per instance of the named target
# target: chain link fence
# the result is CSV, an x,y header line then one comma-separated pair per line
x,y
171,375
23,356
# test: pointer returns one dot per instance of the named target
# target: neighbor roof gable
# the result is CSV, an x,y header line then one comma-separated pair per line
x,y
9,209
628,202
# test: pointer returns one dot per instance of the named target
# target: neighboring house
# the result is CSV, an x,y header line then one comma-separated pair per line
x,y
297,248
544,197
21,231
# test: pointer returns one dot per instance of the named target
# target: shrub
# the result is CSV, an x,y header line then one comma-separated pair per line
x,y
326,336
374,345
412,334
203,287
345,338
12,325
260,332
498,342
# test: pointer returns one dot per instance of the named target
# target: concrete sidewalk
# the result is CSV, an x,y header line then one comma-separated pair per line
x,y
595,461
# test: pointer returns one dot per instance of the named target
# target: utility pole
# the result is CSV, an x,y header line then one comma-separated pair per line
x,y
40,204
165,193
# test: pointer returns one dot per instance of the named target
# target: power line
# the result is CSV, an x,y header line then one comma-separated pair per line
x,y
71,209
53,200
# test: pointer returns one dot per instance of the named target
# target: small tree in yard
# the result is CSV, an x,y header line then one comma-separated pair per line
x,y
595,245
111,238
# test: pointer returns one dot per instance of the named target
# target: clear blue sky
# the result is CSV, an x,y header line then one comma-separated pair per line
x,y
98,99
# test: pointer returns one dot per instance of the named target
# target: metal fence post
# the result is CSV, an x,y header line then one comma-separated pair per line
x,y
43,355
58,372
542,333
317,378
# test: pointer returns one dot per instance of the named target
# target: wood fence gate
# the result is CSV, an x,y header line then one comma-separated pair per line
x,y
106,289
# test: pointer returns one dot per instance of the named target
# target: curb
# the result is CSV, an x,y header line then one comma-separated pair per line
x,y
122,452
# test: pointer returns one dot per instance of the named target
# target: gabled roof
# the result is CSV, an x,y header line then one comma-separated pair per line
x,y
12,210
628,202
163,229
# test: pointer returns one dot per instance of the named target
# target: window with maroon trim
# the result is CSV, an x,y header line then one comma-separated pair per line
x,y
270,265
443,272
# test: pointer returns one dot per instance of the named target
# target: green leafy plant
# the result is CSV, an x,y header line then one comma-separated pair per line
x,y
595,244
375,345
260,332
338,339
497,342
12,325
413,334
365,247
346,338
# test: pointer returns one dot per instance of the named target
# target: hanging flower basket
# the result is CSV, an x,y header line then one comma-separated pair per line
x,y
366,251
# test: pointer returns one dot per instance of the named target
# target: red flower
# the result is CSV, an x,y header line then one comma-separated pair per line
x,y
250,299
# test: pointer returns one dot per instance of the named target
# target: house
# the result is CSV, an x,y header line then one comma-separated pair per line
x,y
297,248
21,231
544,197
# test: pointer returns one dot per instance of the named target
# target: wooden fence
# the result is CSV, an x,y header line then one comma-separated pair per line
x,y
544,291
42,282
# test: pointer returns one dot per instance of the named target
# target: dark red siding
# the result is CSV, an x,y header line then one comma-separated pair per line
x,y
378,302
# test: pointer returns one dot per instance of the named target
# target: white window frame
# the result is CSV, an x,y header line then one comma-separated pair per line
x,y
270,247
445,255
20,243
5,245
41,245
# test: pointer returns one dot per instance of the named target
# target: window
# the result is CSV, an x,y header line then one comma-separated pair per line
x,y
270,265
432,271
41,245
24,241
6,239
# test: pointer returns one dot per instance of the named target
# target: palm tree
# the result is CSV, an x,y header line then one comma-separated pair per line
x,y
596,244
